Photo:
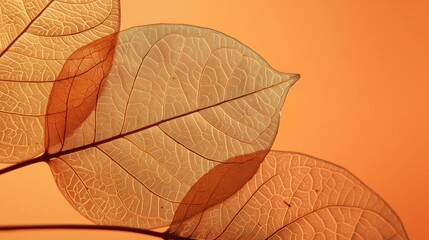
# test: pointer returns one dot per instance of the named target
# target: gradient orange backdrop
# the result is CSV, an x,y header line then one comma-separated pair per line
x,y
362,101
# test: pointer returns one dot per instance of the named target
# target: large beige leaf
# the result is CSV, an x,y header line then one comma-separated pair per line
x,y
37,37
178,101
295,196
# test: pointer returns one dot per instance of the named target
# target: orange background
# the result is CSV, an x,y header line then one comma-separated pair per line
x,y
362,101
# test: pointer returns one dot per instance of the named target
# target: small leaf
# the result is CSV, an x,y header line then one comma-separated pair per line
x,y
37,38
295,196
178,101
74,95
218,184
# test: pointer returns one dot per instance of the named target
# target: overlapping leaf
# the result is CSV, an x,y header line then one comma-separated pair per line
x,y
178,101
166,124
37,38
295,196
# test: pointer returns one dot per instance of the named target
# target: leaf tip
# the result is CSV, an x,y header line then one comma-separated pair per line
x,y
293,78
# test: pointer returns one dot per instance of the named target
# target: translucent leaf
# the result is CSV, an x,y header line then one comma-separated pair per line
x,y
295,196
178,101
37,38
166,125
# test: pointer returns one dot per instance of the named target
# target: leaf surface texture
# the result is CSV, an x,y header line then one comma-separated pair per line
x,y
38,37
295,196
178,101
166,125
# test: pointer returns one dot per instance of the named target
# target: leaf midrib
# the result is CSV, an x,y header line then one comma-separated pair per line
x,y
47,156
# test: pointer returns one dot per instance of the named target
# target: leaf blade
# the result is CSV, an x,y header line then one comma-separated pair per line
x,y
297,196
217,185
37,39
74,95
181,142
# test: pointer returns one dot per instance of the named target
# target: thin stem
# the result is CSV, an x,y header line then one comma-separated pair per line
x,y
91,227
22,164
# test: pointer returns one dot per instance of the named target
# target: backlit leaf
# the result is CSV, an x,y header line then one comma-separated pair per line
x,y
179,100
166,125
218,184
37,38
74,95
295,196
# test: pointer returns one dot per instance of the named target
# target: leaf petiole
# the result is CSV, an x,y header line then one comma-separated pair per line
x,y
162,235
23,164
